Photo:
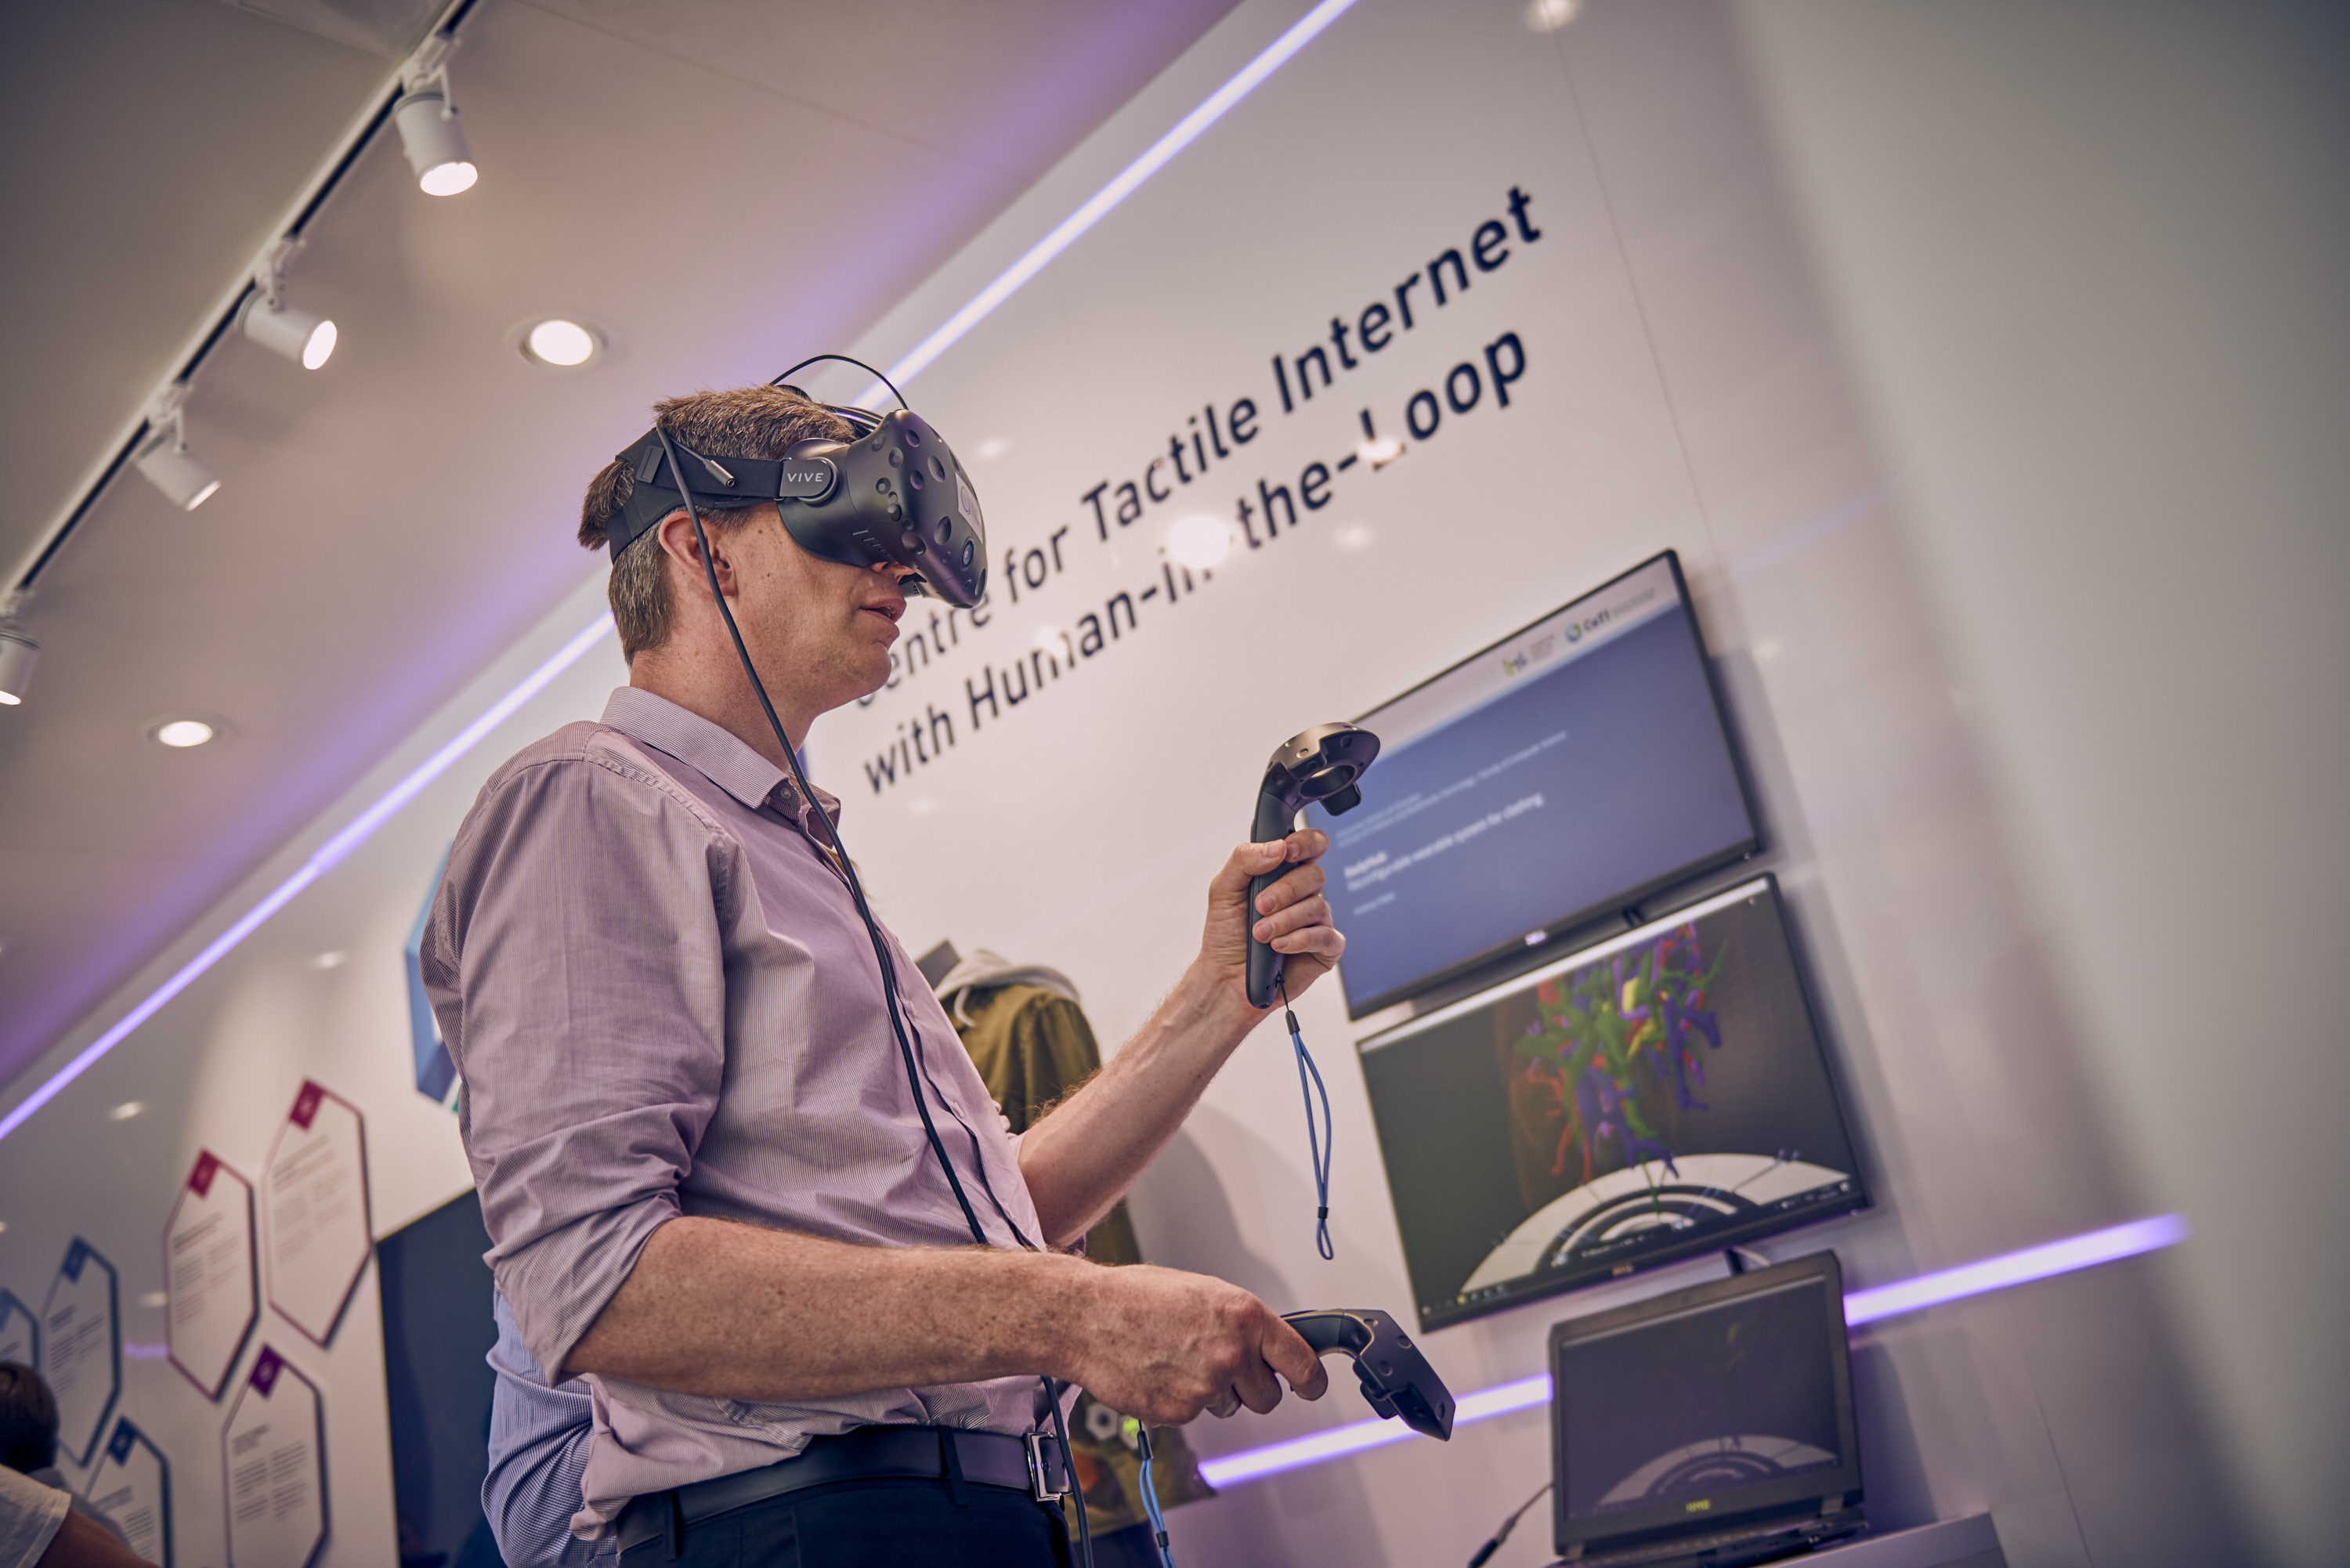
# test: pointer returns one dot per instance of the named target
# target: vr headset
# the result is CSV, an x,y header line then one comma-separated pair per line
x,y
894,493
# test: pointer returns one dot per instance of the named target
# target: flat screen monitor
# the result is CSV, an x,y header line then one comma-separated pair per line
x,y
1568,771
1659,1095
1724,1403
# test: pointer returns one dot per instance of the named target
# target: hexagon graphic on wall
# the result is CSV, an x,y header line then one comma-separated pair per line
x,y
81,1348
209,1266
272,1459
436,1074
313,1198
132,1486
20,1332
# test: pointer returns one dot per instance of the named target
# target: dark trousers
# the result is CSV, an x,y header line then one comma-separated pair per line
x,y
885,1522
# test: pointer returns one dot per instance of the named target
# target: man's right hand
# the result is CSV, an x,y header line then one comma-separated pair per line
x,y
1162,1346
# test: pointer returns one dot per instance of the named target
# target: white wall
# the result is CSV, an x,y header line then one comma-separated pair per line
x,y
218,1069
2091,257
1683,388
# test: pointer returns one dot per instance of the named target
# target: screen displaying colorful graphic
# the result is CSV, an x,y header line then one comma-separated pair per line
x,y
1568,771
1661,1094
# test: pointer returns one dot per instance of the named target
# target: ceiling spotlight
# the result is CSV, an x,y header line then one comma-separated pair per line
x,y
288,329
559,343
125,1111
429,131
300,335
180,735
1550,16
18,654
165,459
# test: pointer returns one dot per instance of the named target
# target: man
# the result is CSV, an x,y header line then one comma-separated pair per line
x,y
706,1180
28,1437
40,1527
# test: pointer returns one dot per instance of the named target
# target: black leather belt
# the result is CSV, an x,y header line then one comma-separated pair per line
x,y
1031,1464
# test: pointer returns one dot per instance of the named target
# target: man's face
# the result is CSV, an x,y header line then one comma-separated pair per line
x,y
815,628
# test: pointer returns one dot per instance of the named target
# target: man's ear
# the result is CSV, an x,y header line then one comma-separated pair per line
x,y
675,535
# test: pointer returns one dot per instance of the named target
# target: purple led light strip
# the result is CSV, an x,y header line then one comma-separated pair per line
x,y
1098,205
1861,1307
977,309
325,858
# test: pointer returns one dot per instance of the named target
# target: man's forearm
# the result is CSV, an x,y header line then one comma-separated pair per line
x,y
741,1313
735,1312
1081,1160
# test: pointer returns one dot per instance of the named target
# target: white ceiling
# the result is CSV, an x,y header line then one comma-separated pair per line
x,y
721,186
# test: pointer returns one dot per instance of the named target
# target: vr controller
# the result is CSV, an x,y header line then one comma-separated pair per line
x,y
1319,764
1396,1378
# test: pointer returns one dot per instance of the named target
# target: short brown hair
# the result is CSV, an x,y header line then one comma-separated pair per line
x,y
29,1419
749,421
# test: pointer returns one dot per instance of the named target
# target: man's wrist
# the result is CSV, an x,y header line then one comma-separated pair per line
x,y
1068,1304
1216,1002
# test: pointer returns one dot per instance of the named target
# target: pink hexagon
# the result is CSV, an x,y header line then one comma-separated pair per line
x,y
209,1266
314,1196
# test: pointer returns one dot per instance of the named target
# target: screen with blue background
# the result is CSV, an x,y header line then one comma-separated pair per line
x,y
1562,773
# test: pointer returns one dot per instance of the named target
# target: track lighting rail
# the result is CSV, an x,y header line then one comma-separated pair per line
x,y
137,437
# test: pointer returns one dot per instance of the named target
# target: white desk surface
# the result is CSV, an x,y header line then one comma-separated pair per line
x,y
1969,1542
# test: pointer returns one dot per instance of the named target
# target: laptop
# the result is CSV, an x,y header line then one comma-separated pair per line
x,y
1707,1427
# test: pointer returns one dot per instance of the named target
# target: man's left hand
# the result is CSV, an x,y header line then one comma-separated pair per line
x,y
1291,916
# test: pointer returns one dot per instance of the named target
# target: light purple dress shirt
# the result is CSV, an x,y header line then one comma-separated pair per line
x,y
657,988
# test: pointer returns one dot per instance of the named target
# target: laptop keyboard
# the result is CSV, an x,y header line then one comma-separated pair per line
x,y
1743,1545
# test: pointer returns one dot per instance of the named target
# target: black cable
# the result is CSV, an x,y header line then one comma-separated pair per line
x,y
1317,1149
1487,1550
831,832
1069,1473
914,1077
819,359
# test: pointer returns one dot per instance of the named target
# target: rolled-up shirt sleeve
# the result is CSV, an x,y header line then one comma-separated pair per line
x,y
575,960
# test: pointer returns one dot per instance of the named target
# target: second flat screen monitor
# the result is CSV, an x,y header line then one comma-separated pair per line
x,y
1567,771
1659,1095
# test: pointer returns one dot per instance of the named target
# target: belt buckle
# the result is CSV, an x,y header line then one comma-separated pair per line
x,y
1040,1469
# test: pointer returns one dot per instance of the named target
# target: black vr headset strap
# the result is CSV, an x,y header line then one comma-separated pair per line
x,y
720,484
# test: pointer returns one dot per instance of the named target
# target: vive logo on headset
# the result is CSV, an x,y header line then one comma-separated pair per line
x,y
804,481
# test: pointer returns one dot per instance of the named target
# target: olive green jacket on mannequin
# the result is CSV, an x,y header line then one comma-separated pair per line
x,y
1031,1043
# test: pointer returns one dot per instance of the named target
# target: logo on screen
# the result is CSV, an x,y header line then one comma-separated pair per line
x,y
1578,629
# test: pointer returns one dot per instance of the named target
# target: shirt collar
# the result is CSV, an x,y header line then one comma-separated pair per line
x,y
718,756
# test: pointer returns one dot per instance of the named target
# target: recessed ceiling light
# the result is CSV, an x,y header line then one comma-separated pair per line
x,y
126,1110
156,1299
561,344
181,733
327,960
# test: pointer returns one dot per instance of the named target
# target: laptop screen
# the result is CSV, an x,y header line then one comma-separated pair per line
x,y
1695,1409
